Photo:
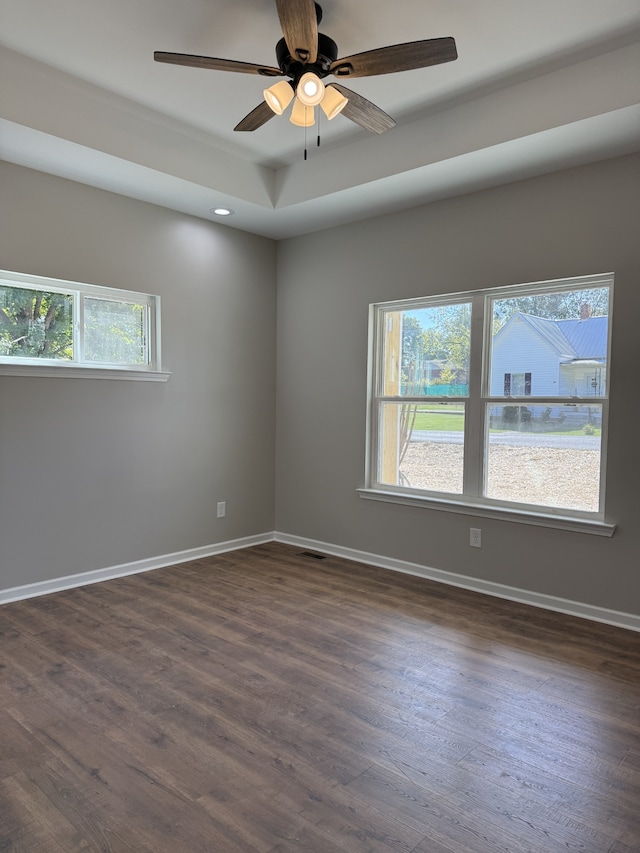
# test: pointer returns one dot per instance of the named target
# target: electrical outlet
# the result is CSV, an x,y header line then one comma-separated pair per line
x,y
475,537
222,509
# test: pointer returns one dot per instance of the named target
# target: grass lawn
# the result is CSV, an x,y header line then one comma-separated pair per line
x,y
453,421
449,421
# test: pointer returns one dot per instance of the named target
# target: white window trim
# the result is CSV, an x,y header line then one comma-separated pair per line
x,y
54,368
498,512
81,371
475,504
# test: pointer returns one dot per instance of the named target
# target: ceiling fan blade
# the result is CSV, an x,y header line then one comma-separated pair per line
x,y
300,28
363,112
397,57
216,64
256,118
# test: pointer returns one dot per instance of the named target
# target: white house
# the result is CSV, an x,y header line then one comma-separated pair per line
x,y
534,356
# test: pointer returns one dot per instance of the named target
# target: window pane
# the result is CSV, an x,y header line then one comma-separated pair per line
x,y
115,332
550,344
426,351
545,455
421,446
35,324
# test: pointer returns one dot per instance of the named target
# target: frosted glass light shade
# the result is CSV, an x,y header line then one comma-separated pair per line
x,y
279,96
333,102
302,115
310,89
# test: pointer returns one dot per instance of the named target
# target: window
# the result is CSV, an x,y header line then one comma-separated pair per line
x,y
46,323
517,384
494,401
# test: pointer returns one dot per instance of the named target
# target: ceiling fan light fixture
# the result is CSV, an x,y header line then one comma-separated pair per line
x,y
333,102
307,57
302,115
279,96
310,89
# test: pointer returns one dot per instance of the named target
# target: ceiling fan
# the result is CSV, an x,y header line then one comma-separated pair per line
x,y
306,57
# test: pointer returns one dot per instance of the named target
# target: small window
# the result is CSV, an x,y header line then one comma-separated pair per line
x,y
494,398
517,384
56,323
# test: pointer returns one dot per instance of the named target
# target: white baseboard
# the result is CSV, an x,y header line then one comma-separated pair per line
x,y
17,593
547,602
535,599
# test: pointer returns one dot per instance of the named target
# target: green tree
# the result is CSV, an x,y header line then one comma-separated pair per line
x,y
446,333
35,324
452,335
411,346
571,305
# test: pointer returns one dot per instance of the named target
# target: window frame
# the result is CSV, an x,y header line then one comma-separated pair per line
x,y
476,450
78,366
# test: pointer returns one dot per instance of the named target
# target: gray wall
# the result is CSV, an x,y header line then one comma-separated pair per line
x,y
95,473
571,223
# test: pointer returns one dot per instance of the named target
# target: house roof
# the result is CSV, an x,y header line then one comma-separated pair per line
x,y
573,340
587,337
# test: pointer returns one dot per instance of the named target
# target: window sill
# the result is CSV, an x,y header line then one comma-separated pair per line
x,y
541,519
78,371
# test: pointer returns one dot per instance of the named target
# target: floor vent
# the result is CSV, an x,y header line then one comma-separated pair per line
x,y
312,555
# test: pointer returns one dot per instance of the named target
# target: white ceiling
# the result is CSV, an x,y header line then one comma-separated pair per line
x,y
537,86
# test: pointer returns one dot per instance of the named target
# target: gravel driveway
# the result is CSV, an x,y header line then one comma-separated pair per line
x,y
563,477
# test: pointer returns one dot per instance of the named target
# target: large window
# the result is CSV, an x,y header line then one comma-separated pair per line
x,y
493,400
52,323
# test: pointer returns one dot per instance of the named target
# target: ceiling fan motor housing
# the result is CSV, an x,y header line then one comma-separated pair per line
x,y
327,54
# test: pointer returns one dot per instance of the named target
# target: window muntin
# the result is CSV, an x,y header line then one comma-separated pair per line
x,y
47,321
531,429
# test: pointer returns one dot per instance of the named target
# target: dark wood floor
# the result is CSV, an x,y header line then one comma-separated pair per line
x,y
265,701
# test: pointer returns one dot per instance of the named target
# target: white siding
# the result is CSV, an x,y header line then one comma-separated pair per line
x,y
576,380
519,349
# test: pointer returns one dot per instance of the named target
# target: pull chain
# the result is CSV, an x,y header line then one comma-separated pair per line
x,y
306,153
305,133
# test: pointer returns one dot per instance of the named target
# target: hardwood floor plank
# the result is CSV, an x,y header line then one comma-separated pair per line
x,y
434,813
17,749
263,702
29,820
346,819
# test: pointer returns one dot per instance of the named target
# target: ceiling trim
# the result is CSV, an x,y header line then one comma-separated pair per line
x,y
59,124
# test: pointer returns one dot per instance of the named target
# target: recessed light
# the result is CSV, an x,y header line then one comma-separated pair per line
x,y
221,211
